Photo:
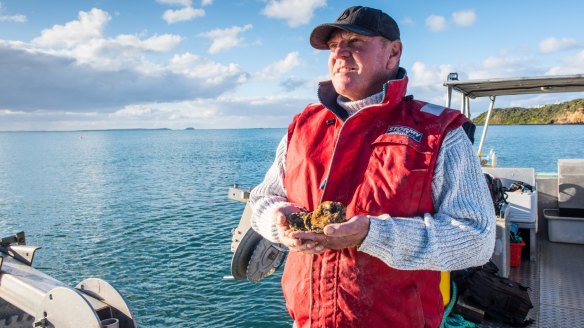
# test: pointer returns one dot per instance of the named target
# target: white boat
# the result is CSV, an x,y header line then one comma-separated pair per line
x,y
556,243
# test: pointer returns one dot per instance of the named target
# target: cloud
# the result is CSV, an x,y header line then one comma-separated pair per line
x,y
422,75
504,65
436,23
426,81
206,2
182,15
119,53
75,68
84,41
224,39
89,26
217,112
185,3
280,67
210,72
294,83
569,65
221,112
464,18
295,12
306,85
408,21
61,84
11,18
550,45
187,13
156,43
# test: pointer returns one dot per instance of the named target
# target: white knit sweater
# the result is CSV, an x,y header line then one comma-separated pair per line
x,y
460,234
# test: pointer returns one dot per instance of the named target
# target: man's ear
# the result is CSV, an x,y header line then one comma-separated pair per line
x,y
395,51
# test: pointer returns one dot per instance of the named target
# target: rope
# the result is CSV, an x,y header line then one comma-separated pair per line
x,y
454,320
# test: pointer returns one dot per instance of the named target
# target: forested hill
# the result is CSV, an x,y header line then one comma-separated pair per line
x,y
571,112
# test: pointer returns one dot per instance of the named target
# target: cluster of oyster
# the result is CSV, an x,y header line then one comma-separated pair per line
x,y
326,213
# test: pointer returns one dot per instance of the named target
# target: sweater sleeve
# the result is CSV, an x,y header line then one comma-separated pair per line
x,y
269,195
460,234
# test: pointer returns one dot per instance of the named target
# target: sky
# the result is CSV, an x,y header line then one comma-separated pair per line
x,y
216,64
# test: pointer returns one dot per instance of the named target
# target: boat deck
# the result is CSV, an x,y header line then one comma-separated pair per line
x,y
556,282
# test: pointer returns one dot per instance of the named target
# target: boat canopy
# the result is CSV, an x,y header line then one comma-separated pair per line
x,y
516,86
492,88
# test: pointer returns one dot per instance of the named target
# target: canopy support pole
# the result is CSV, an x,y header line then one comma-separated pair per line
x,y
486,126
462,104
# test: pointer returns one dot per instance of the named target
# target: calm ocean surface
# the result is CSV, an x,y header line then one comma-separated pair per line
x,y
146,210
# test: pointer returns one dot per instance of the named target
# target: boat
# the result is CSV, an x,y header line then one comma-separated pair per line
x,y
31,298
555,244
555,263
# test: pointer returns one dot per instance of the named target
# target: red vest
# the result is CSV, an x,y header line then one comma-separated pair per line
x,y
380,160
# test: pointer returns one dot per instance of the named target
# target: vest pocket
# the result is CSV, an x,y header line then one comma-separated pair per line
x,y
400,150
395,177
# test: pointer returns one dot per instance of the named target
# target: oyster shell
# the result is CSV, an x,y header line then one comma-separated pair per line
x,y
326,213
297,220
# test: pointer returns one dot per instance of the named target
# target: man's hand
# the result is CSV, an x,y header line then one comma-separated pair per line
x,y
339,235
288,237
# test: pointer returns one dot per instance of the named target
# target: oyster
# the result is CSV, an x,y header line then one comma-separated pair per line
x,y
326,213
297,220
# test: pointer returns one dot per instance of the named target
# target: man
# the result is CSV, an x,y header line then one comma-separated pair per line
x,y
416,198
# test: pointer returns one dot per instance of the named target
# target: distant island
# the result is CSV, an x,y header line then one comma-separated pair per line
x,y
571,112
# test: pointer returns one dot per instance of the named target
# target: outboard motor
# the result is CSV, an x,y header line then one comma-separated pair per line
x,y
30,298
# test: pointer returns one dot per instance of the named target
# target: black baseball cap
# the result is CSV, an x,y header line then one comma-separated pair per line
x,y
358,19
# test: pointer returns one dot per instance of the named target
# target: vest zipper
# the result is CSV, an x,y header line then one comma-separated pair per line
x,y
325,180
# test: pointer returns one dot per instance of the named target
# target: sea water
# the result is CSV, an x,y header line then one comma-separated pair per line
x,y
147,211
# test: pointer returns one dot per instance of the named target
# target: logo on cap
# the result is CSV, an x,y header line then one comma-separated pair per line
x,y
344,15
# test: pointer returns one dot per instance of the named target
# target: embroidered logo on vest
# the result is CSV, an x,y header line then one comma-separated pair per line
x,y
405,131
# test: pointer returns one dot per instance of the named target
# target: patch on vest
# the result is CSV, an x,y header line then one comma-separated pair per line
x,y
432,109
405,131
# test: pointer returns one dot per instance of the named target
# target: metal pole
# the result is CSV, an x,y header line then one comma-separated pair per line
x,y
486,126
462,108
449,97
468,107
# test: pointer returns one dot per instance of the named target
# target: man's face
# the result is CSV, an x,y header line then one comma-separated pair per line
x,y
359,65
